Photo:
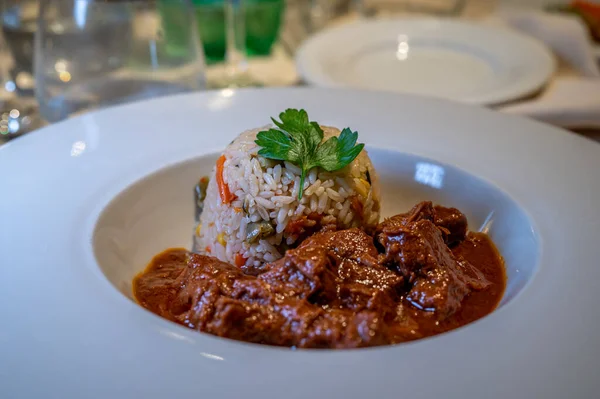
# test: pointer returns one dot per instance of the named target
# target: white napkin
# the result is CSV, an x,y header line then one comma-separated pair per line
x,y
572,99
565,34
571,102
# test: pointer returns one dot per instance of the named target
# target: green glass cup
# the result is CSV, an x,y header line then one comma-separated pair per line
x,y
210,17
262,20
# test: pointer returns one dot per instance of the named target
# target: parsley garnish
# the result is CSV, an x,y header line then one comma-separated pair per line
x,y
299,141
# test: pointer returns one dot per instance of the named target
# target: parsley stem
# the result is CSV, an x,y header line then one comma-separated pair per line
x,y
302,178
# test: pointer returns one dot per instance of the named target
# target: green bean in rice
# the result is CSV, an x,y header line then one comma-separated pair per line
x,y
264,216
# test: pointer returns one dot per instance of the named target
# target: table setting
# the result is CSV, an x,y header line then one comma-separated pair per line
x,y
567,95
299,199
278,45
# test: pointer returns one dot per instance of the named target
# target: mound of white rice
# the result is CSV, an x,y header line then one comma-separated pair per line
x,y
264,217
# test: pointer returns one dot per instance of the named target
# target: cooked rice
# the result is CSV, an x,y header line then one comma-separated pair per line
x,y
267,190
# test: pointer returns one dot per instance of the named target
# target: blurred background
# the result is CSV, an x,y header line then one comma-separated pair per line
x,y
60,58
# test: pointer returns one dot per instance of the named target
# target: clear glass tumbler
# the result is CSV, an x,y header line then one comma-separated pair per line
x,y
95,53
18,19
18,107
236,71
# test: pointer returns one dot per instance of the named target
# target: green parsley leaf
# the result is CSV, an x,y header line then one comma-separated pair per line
x,y
299,141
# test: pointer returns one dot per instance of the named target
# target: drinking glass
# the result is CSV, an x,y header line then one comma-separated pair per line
x,y
236,68
18,108
95,53
18,27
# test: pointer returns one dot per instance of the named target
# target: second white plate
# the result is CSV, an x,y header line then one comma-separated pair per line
x,y
455,60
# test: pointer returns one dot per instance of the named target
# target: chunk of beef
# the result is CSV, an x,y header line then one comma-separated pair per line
x,y
422,211
338,268
453,220
415,246
300,273
304,226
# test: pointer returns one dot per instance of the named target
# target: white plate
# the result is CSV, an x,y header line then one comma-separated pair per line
x,y
456,60
119,182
